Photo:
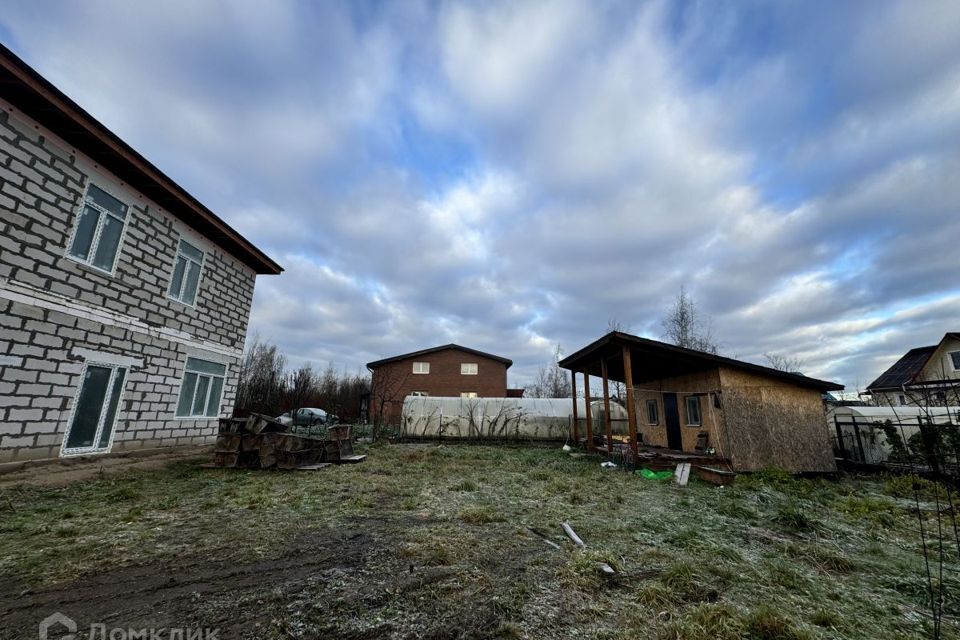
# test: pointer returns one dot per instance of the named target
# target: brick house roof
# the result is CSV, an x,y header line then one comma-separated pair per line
x,y
423,352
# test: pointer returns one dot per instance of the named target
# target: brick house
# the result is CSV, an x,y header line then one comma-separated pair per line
x,y
448,371
124,301
923,377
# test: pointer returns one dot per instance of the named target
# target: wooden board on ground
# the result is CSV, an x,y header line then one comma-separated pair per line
x,y
313,467
352,459
682,474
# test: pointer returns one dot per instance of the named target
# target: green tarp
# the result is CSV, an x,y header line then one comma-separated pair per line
x,y
654,475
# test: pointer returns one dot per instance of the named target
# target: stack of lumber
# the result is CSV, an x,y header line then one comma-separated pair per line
x,y
261,442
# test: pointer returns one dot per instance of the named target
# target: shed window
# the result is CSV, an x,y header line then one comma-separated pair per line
x,y
421,367
186,273
202,389
652,417
693,411
96,238
468,368
955,358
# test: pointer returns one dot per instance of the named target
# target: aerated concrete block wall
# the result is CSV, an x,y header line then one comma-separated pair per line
x,y
56,314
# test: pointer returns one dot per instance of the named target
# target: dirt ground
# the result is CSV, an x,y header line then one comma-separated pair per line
x,y
68,471
441,542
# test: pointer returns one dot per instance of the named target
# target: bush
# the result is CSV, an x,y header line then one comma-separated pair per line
x,y
905,486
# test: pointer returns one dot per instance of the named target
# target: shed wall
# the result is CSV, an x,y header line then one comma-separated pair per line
x,y
693,384
772,423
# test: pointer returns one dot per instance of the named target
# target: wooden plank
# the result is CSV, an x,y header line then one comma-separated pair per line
x,y
608,424
573,535
681,475
352,459
589,413
573,393
631,407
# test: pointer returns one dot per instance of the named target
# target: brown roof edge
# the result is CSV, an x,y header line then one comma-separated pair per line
x,y
571,361
423,352
30,92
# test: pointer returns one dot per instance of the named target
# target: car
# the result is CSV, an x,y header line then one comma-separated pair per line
x,y
307,416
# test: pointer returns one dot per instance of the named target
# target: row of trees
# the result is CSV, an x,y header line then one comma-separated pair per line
x,y
267,386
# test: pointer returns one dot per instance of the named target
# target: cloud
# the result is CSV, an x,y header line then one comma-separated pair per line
x,y
512,176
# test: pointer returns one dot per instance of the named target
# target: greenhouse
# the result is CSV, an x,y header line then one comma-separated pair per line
x,y
879,435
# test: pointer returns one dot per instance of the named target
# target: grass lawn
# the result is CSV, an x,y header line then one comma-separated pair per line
x,y
422,541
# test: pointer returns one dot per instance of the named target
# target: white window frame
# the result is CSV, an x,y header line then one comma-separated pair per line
x,y
66,452
656,412
183,282
953,361
465,368
96,233
421,368
468,395
183,379
419,394
699,421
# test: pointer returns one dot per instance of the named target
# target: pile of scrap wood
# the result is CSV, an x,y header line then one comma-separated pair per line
x,y
262,442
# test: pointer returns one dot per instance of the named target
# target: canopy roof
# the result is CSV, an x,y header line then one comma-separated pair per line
x,y
654,360
36,97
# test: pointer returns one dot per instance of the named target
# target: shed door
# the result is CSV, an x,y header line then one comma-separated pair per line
x,y
672,417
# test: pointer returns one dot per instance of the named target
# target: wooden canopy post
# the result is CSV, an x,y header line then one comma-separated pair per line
x,y
588,413
606,407
631,408
573,393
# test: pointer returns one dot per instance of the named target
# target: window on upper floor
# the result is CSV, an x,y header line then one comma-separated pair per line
x,y
902,399
421,367
99,230
201,390
955,359
186,273
468,368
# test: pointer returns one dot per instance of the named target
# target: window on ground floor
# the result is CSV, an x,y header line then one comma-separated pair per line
x,y
202,389
419,394
652,414
693,411
95,409
468,394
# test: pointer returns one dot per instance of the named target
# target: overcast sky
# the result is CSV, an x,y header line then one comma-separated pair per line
x,y
510,176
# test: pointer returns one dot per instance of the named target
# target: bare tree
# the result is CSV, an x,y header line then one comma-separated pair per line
x,y
782,362
260,386
685,326
551,380
265,386
387,388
